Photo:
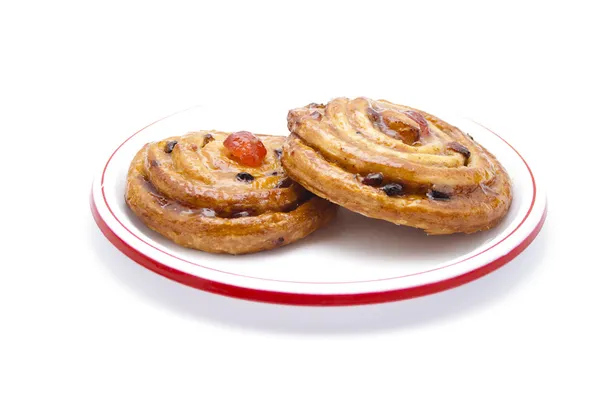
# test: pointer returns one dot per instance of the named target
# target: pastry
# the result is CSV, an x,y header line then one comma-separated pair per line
x,y
396,163
222,193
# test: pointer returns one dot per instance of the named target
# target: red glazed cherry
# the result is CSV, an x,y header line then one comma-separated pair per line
x,y
245,148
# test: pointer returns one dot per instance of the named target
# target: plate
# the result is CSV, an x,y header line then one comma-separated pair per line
x,y
355,260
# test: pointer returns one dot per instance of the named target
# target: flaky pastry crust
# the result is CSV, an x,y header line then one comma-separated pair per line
x,y
191,191
396,163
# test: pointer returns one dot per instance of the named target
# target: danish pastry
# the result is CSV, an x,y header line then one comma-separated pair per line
x,y
396,163
222,193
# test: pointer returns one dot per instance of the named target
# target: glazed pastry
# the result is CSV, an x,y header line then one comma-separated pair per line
x,y
222,193
396,163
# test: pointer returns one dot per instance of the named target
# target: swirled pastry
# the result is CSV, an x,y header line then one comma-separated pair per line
x,y
222,193
396,163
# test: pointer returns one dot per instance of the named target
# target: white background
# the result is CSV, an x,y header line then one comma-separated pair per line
x,y
79,320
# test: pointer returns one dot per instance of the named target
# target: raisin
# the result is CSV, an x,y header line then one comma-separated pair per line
x,y
437,195
240,214
373,179
459,148
393,189
244,177
208,212
170,145
207,139
398,128
419,119
284,183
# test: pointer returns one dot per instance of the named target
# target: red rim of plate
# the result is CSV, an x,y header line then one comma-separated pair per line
x,y
309,299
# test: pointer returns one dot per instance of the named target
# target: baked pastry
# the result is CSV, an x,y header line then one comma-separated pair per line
x,y
222,193
396,163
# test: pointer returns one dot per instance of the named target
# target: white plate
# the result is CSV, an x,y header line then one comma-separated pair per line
x,y
355,260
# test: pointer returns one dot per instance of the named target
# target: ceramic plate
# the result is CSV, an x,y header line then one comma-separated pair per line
x,y
355,260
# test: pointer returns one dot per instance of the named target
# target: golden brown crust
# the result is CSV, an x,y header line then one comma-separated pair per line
x,y
449,182
192,196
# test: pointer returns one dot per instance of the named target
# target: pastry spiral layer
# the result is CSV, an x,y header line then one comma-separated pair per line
x,y
193,191
396,163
